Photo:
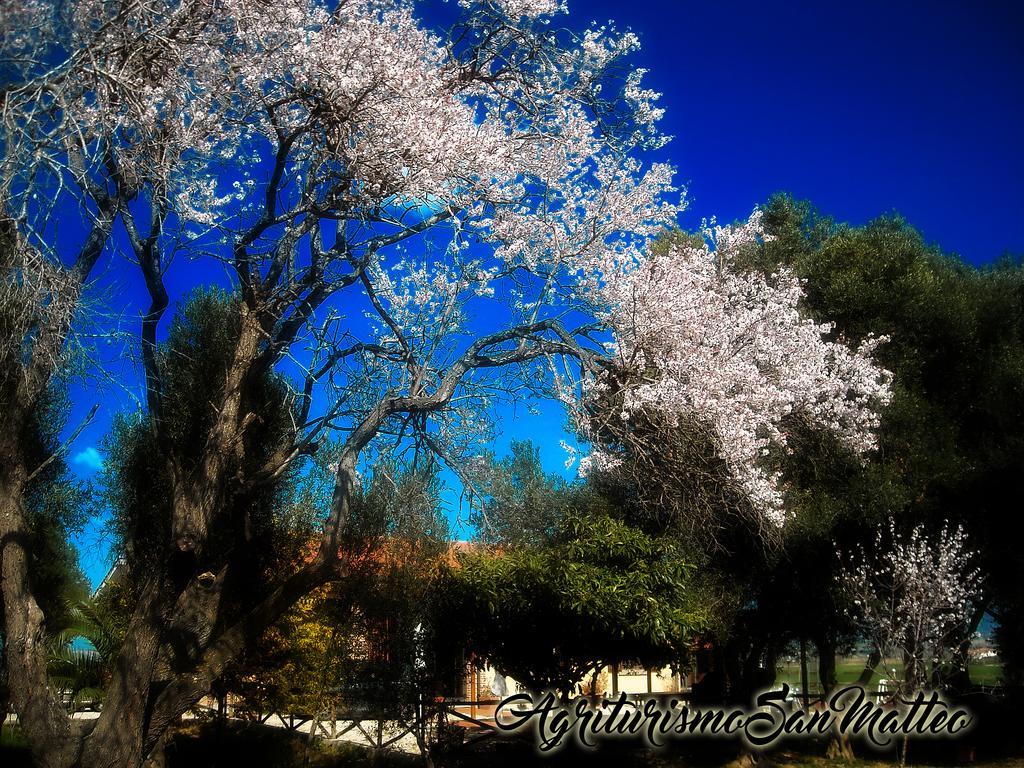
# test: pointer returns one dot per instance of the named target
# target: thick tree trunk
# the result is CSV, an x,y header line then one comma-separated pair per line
x,y
804,683
178,642
42,718
117,738
840,748
826,662
732,669
134,724
200,495
174,620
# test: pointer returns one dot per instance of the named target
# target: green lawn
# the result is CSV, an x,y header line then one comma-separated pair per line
x,y
848,670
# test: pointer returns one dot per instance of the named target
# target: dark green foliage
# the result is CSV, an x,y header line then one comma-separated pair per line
x,y
261,527
521,504
600,592
560,584
56,506
951,444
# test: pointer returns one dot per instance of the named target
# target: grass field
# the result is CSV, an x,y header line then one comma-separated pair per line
x,y
848,670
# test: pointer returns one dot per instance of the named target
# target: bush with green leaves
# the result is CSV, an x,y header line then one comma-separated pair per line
x,y
601,592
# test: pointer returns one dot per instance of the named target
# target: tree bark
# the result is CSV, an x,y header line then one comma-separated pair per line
x,y
839,745
826,662
960,680
117,738
803,673
873,660
41,715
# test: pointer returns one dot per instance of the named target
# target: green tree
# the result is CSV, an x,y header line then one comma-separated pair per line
x,y
601,592
262,527
520,504
951,444
363,646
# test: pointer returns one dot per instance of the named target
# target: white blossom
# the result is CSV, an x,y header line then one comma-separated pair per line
x,y
699,338
914,595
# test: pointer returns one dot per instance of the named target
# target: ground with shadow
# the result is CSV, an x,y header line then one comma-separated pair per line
x,y
233,743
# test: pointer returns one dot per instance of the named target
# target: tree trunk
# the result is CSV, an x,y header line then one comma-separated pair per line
x,y
826,663
960,679
49,731
840,748
158,757
873,660
732,675
839,745
803,673
117,739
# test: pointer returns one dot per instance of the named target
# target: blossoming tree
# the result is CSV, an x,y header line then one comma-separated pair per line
x,y
415,224
725,358
913,597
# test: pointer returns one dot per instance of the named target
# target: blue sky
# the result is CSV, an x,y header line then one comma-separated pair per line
x,y
864,108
